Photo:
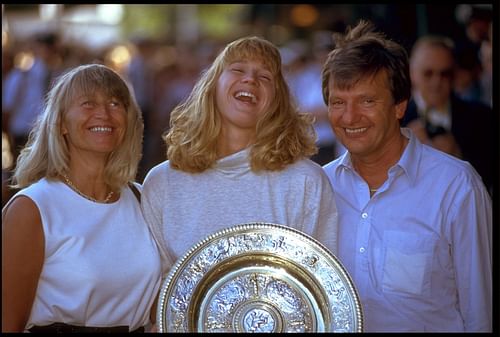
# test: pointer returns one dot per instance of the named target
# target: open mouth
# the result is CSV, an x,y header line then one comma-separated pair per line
x,y
101,129
246,96
354,131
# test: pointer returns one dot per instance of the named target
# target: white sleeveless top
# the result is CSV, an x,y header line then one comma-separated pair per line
x,y
101,268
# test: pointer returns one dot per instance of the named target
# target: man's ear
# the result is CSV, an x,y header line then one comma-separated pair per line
x,y
401,109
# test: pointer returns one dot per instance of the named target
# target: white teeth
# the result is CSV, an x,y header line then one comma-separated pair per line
x,y
101,129
246,94
358,130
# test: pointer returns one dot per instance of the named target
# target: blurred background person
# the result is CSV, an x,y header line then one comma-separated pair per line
x,y
7,153
173,84
486,76
140,72
25,88
476,20
7,164
305,59
439,117
466,75
476,24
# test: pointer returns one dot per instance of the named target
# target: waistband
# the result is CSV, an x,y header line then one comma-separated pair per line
x,y
68,328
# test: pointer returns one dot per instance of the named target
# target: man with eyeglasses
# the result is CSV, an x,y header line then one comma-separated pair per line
x,y
439,117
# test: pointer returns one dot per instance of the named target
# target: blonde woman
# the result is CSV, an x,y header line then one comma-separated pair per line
x,y
238,152
77,255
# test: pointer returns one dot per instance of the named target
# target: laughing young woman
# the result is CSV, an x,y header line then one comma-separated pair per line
x,y
238,152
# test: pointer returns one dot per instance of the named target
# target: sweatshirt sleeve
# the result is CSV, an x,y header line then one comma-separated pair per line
x,y
152,196
321,215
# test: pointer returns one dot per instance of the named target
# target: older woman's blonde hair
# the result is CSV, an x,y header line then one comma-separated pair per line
x,y
283,135
46,153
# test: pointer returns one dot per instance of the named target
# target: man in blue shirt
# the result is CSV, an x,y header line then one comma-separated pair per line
x,y
415,224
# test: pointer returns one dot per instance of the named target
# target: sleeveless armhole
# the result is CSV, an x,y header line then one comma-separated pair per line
x,y
136,191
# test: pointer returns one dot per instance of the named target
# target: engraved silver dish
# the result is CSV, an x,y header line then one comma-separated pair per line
x,y
259,277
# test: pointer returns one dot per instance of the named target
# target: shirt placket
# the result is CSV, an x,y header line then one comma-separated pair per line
x,y
363,233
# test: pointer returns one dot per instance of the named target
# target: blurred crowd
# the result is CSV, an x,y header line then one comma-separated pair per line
x,y
162,74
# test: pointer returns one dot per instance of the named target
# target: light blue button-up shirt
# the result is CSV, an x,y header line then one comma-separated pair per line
x,y
420,250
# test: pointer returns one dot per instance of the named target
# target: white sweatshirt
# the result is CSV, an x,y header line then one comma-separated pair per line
x,y
184,208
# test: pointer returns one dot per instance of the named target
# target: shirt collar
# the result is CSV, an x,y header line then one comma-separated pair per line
x,y
234,165
408,162
344,162
411,155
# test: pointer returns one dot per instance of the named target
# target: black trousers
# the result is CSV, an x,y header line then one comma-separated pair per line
x,y
67,328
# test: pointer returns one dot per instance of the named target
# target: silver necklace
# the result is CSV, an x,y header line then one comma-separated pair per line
x,y
74,188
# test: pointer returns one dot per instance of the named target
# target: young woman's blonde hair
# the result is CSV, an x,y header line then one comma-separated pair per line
x,y
46,152
283,135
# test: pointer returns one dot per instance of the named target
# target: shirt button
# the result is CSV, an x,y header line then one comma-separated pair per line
x,y
362,250
364,215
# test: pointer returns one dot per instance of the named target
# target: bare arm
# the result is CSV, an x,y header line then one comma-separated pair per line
x,y
152,314
22,260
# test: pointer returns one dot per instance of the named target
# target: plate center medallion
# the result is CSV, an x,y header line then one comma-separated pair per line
x,y
257,316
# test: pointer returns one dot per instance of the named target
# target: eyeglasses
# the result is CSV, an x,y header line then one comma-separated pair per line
x,y
445,73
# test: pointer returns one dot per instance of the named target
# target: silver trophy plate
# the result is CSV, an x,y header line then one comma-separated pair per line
x,y
259,277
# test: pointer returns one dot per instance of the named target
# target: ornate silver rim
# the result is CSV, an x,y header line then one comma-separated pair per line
x,y
259,277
